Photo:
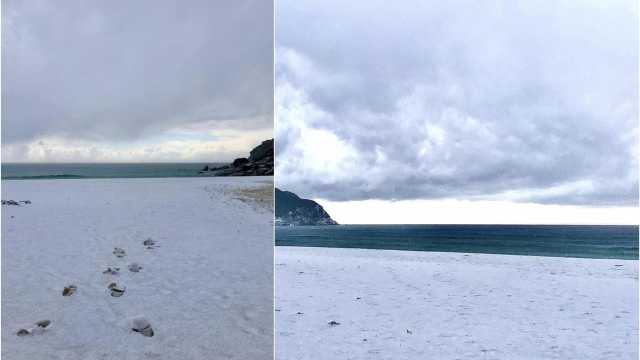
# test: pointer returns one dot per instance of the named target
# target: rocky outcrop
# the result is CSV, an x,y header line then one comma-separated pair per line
x,y
262,151
259,163
293,210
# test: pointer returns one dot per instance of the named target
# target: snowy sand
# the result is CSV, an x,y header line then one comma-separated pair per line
x,y
421,305
207,289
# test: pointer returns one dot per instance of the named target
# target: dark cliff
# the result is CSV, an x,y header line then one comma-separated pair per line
x,y
293,210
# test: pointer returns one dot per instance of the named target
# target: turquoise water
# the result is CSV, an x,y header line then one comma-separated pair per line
x,y
619,242
12,171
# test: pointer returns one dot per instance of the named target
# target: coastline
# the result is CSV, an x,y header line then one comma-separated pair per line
x,y
412,304
206,288
578,241
81,171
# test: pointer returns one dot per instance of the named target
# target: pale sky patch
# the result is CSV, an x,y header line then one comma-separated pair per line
x,y
174,145
474,212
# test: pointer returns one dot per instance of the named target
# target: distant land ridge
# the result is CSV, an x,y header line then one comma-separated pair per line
x,y
293,210
259,163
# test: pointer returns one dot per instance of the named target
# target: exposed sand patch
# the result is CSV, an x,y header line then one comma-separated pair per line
x,y
261,195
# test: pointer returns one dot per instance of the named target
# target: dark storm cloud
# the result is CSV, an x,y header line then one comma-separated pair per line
x,y
462,99
118,70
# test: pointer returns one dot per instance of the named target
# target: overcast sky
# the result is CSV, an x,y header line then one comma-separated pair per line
x,y
504,101
135,81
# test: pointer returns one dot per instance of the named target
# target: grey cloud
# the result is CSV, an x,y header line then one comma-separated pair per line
x,y
462,99
105,70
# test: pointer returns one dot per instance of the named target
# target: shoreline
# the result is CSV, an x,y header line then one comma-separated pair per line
x,y
75,178
458,252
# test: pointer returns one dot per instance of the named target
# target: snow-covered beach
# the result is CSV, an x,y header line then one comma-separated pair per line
x,y
206,288
427,305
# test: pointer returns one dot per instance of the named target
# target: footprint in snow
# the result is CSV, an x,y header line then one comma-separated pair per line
x,y
112,271
142,325
118,252
135,267
38,329
69,290
149,243
115,290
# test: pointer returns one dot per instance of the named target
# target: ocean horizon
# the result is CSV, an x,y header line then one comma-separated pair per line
x,y
33,171
580,241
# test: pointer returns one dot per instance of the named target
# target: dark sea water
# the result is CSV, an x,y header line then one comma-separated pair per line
x,y
12,171
620,242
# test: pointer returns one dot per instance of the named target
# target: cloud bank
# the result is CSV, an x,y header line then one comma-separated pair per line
x,y
505,101
112,75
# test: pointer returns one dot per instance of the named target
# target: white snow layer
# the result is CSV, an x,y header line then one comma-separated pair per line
x,y
425,305
206,289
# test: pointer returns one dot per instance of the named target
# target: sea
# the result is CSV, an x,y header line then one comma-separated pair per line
x,y
23,171
582,241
